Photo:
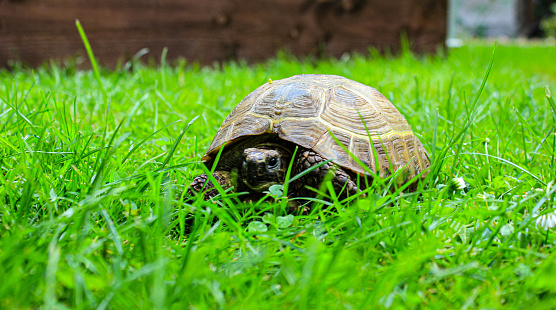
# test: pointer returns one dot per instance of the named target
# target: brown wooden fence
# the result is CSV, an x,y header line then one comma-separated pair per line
x,y
34,31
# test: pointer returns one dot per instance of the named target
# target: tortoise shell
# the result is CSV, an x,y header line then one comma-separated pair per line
x,y
309,109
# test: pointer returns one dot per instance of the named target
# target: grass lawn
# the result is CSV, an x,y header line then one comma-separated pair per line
x,y
93,203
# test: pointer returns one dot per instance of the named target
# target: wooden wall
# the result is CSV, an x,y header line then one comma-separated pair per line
x,y
34,31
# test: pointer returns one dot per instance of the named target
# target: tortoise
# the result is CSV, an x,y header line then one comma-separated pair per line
x,y
312,112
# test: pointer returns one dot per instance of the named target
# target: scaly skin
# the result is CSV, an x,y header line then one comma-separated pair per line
x,y
202,182
343,182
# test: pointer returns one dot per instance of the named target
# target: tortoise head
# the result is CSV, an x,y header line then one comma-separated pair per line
x,y
264,166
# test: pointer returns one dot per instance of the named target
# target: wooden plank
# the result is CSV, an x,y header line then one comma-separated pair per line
x,y
215,30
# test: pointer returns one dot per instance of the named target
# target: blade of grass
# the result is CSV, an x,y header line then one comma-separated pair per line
x,y
284,201
113,231
176,143
99,172
222,213
508,163
138,145
434,136
553,106
15,108
470,116
91,58
304,172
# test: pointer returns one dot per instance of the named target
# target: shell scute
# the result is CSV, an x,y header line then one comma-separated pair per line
x,y
305,133
361,148
351,112
332,150
291,100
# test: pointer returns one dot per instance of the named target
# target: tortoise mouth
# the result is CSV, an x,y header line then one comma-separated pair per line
x,y
260,187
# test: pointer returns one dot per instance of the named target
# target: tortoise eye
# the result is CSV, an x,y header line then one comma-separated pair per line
x,y
273,162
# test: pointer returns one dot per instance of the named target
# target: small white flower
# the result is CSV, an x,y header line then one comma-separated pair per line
x,y
546,221
459,183
485,196
549,187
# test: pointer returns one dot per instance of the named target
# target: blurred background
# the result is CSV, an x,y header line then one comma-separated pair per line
x,y
501,18
36,31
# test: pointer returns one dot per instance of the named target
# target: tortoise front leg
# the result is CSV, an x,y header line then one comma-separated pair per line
x,y
202,183
342,182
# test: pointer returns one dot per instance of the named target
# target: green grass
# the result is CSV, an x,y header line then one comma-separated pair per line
x,y
92,182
